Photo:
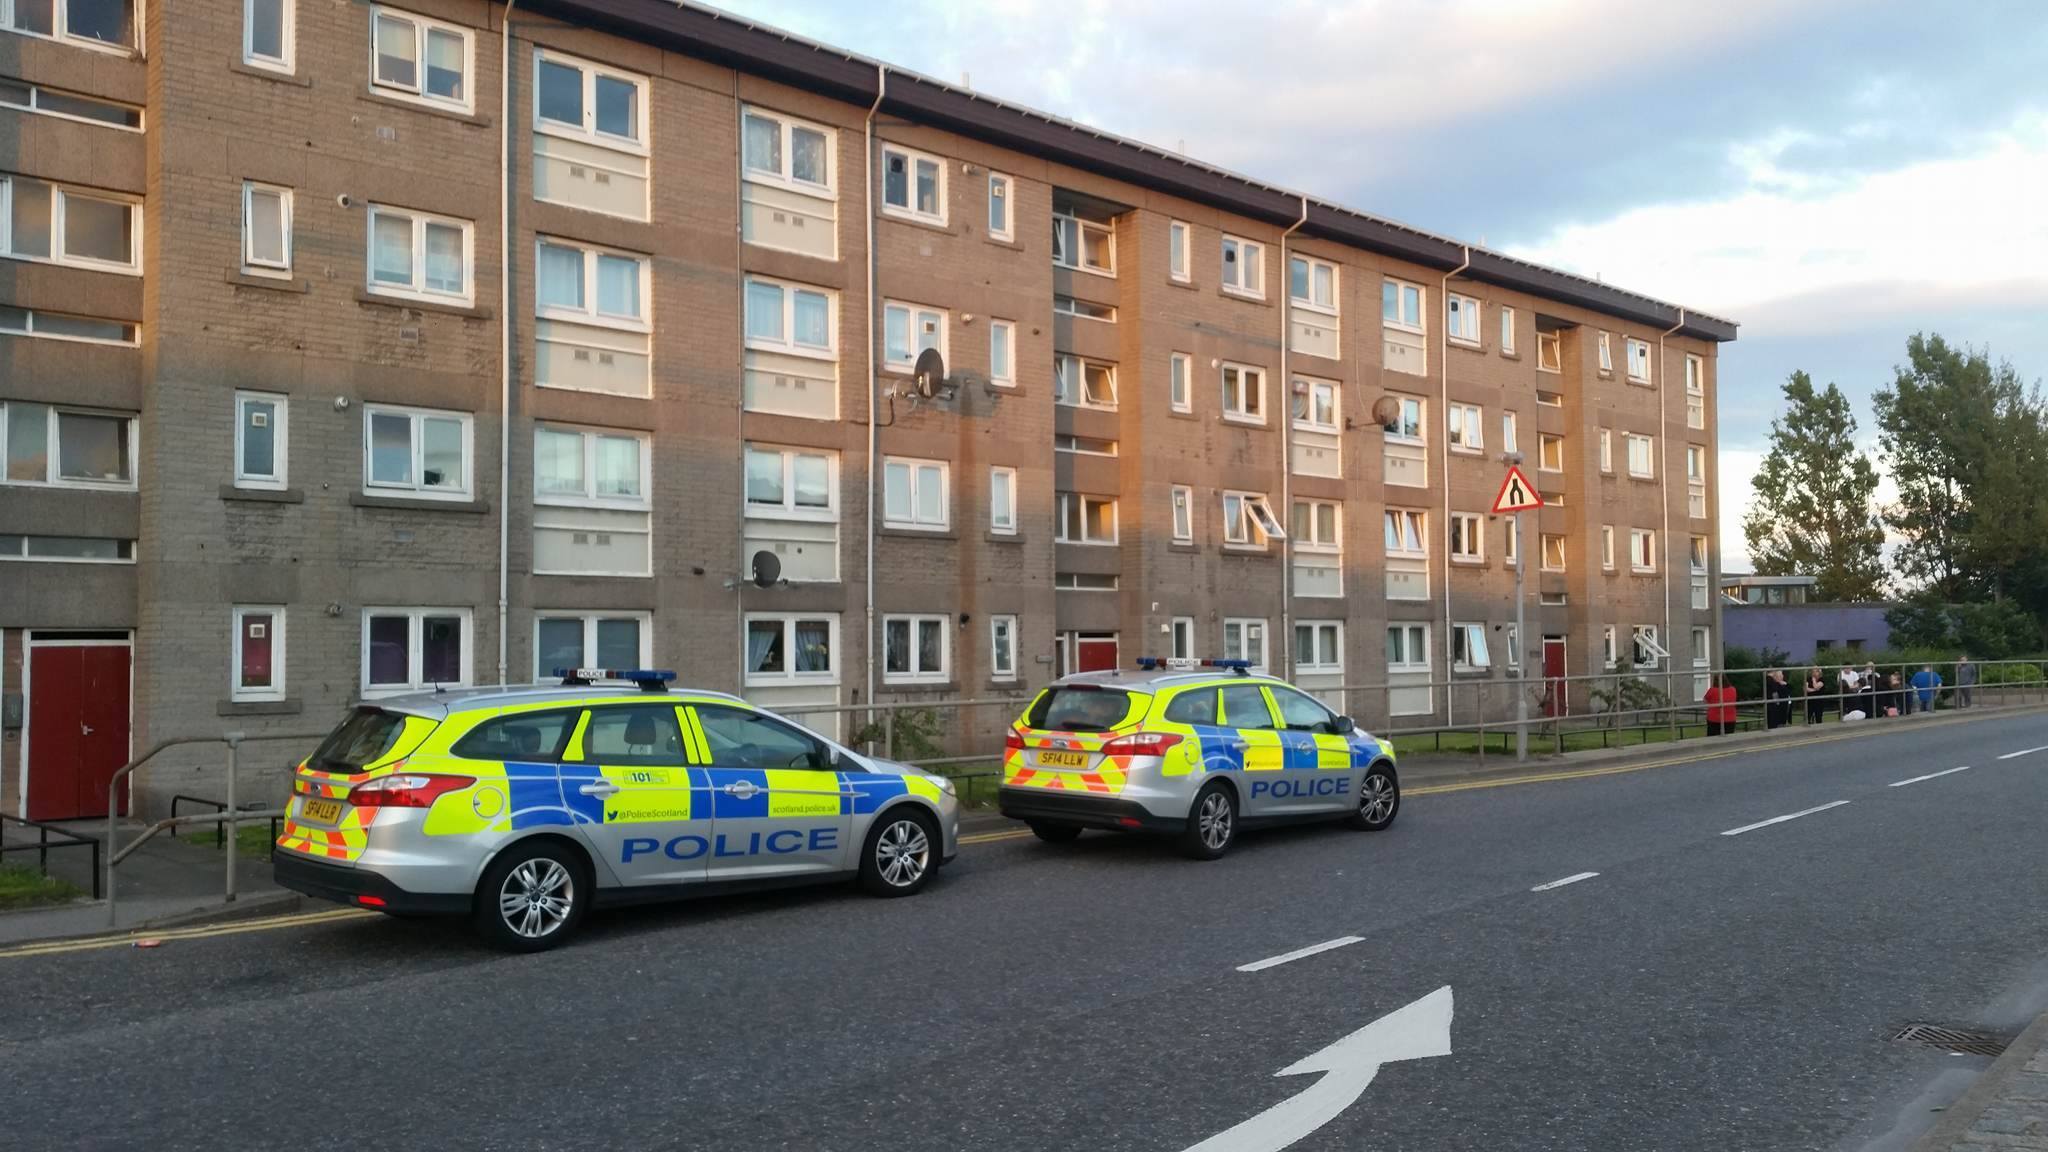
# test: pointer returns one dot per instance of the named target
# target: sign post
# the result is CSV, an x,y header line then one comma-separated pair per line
x,y
1517,496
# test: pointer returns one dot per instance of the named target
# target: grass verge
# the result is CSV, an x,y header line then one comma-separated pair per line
x,y
24,887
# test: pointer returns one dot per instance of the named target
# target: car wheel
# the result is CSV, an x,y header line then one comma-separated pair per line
x,y
900,852
1212,823
1379,798
1055,833
533,896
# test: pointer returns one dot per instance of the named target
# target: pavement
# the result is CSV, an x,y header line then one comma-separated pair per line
x,y
1703,955
2006,1108
166,883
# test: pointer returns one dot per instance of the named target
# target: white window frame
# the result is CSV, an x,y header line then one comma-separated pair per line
x,y
1313,542
1250,254
788,345
37,94
1468,528
1254,515
1607,353
1411,524
1245,626
1086,581
1083,309
1507,330
590,499
1246,375
914,319
1462,320
1085,445
589,133
1695,375
589,620
1316,389
1607,547
1544,441
276,688
785,176
788,509
1511,554
1550,351
1002,372
53,464
417,290
60,197
1557,543
908,210
1002,513
1180,638
1410,647
1319,630
60,24
1642,542
280,440
1180,246
1700,554
918,674
1309,303
1649,452
417,93
287,25
1465,428
1068,253
251,263
1639,350
1606,450
589,314
1180,392
31,326
1641,632
1002,191
1473,637
1400,321
1071,390
417,489
1002,642
415,649
1419,421
1064,501
1510,438
916,467
789,621
1181,503
1609,646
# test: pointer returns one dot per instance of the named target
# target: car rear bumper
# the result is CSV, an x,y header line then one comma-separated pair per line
x,y
1083,809
359,887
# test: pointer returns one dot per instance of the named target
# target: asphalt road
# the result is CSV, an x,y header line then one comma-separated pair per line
x,y
1703,991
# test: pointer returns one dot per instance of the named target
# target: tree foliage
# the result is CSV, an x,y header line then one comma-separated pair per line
x,y
1812,513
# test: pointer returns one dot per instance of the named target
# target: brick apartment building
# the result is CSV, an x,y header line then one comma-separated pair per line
x,y
259,326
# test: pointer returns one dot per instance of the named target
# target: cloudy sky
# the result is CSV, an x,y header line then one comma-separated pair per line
x,y
1834,174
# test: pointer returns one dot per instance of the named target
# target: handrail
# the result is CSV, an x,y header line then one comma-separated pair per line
x,y
42,845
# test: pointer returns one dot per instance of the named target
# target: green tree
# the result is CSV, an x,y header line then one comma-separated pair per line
x,y
1812,512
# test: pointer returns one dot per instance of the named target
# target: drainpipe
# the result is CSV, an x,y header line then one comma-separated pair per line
x,y
1443,356
504,334
739,292
1664,484
1287,453
874,435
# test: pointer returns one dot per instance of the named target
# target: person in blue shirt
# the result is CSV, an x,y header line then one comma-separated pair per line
x,y
1926,682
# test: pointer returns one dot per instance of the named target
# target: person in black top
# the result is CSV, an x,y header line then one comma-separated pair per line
x,y
1778,694
1816,696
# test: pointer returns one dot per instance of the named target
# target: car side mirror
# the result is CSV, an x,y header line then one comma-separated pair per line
x,y
1343,726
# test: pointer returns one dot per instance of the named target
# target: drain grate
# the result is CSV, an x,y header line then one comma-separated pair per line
x,y
1956,1040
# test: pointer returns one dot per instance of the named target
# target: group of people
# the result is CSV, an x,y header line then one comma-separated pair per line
x,y
1860,695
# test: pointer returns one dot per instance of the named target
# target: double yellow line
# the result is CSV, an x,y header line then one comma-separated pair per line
x,y
236,928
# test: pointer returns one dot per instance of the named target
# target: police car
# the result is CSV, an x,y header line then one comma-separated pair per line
x,y
523,807
1197,749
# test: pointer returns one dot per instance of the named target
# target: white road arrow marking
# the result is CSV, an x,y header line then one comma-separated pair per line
x,y
1420,1030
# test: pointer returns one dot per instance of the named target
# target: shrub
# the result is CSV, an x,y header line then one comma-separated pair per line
x,y
918,735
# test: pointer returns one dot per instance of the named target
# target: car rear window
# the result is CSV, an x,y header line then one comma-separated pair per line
x,y
360,739
1193,706
1078,708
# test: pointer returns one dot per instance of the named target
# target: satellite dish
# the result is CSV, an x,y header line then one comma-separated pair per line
x,y
767,568
1386,411
929,375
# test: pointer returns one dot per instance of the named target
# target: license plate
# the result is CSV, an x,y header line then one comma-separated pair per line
x,y
1063,759
324,811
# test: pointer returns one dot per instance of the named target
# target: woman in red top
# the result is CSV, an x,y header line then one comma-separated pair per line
x,y
1720,708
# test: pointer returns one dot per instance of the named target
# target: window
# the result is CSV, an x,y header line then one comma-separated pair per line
x,y
267,34
57,326
792,483
1468,648
1244,393
1002,647
1461,318
1511,550
1183,514
413,254
1177,241
76,549
1002,501
794,319
1316,526
1699,554
1695,392
791,648
563,640
1083,383
1083,445
1002,353
1248,521
907,330
92,23
1401,305
1507,331
1244,267
1641,456
1606,450
1085,519
914,494
1607,645
1553,552
1312,284
1001,210
780,150
1245,639
1318,648
587,285
266,229
1606,353
1407,647
1083,245
1468,537
49,222
1644,651
913,185
1639,361
1084,582
592,515
1642,550
418,451
28,97
1696,481
599,105
1549,351
1407,426
1406,532
261,443
1509,442
1315,405
1467,428
1179,395
1086,310
409,649
915,648
66,447
1549,452
420,59
256,664
743,739
1182,631
1607,547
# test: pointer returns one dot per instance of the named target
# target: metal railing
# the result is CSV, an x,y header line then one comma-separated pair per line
x,y
220,837
66,839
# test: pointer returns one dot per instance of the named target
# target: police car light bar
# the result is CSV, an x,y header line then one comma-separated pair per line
x,y
649,679
1156,663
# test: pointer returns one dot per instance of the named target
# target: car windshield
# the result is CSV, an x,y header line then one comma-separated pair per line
x,y
365,735
1079,708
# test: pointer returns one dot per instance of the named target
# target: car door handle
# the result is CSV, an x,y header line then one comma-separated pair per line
x,y
1240,745
599,788
743,789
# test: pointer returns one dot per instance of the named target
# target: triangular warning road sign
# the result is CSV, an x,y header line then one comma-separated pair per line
x,y
1516,493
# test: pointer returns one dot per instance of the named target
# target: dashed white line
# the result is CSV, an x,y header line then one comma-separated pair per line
x,y
1563,882
1929,776
1781,819
2024,752
1299,953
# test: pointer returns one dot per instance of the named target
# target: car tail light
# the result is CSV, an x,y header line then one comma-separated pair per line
x,y
409,790
1141,744
368,901
1013,741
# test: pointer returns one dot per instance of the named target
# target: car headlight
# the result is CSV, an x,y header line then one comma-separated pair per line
x,y
945,783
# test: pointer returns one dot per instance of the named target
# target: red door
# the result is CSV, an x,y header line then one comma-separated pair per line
x,y
77,728
1556,701
1095,654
